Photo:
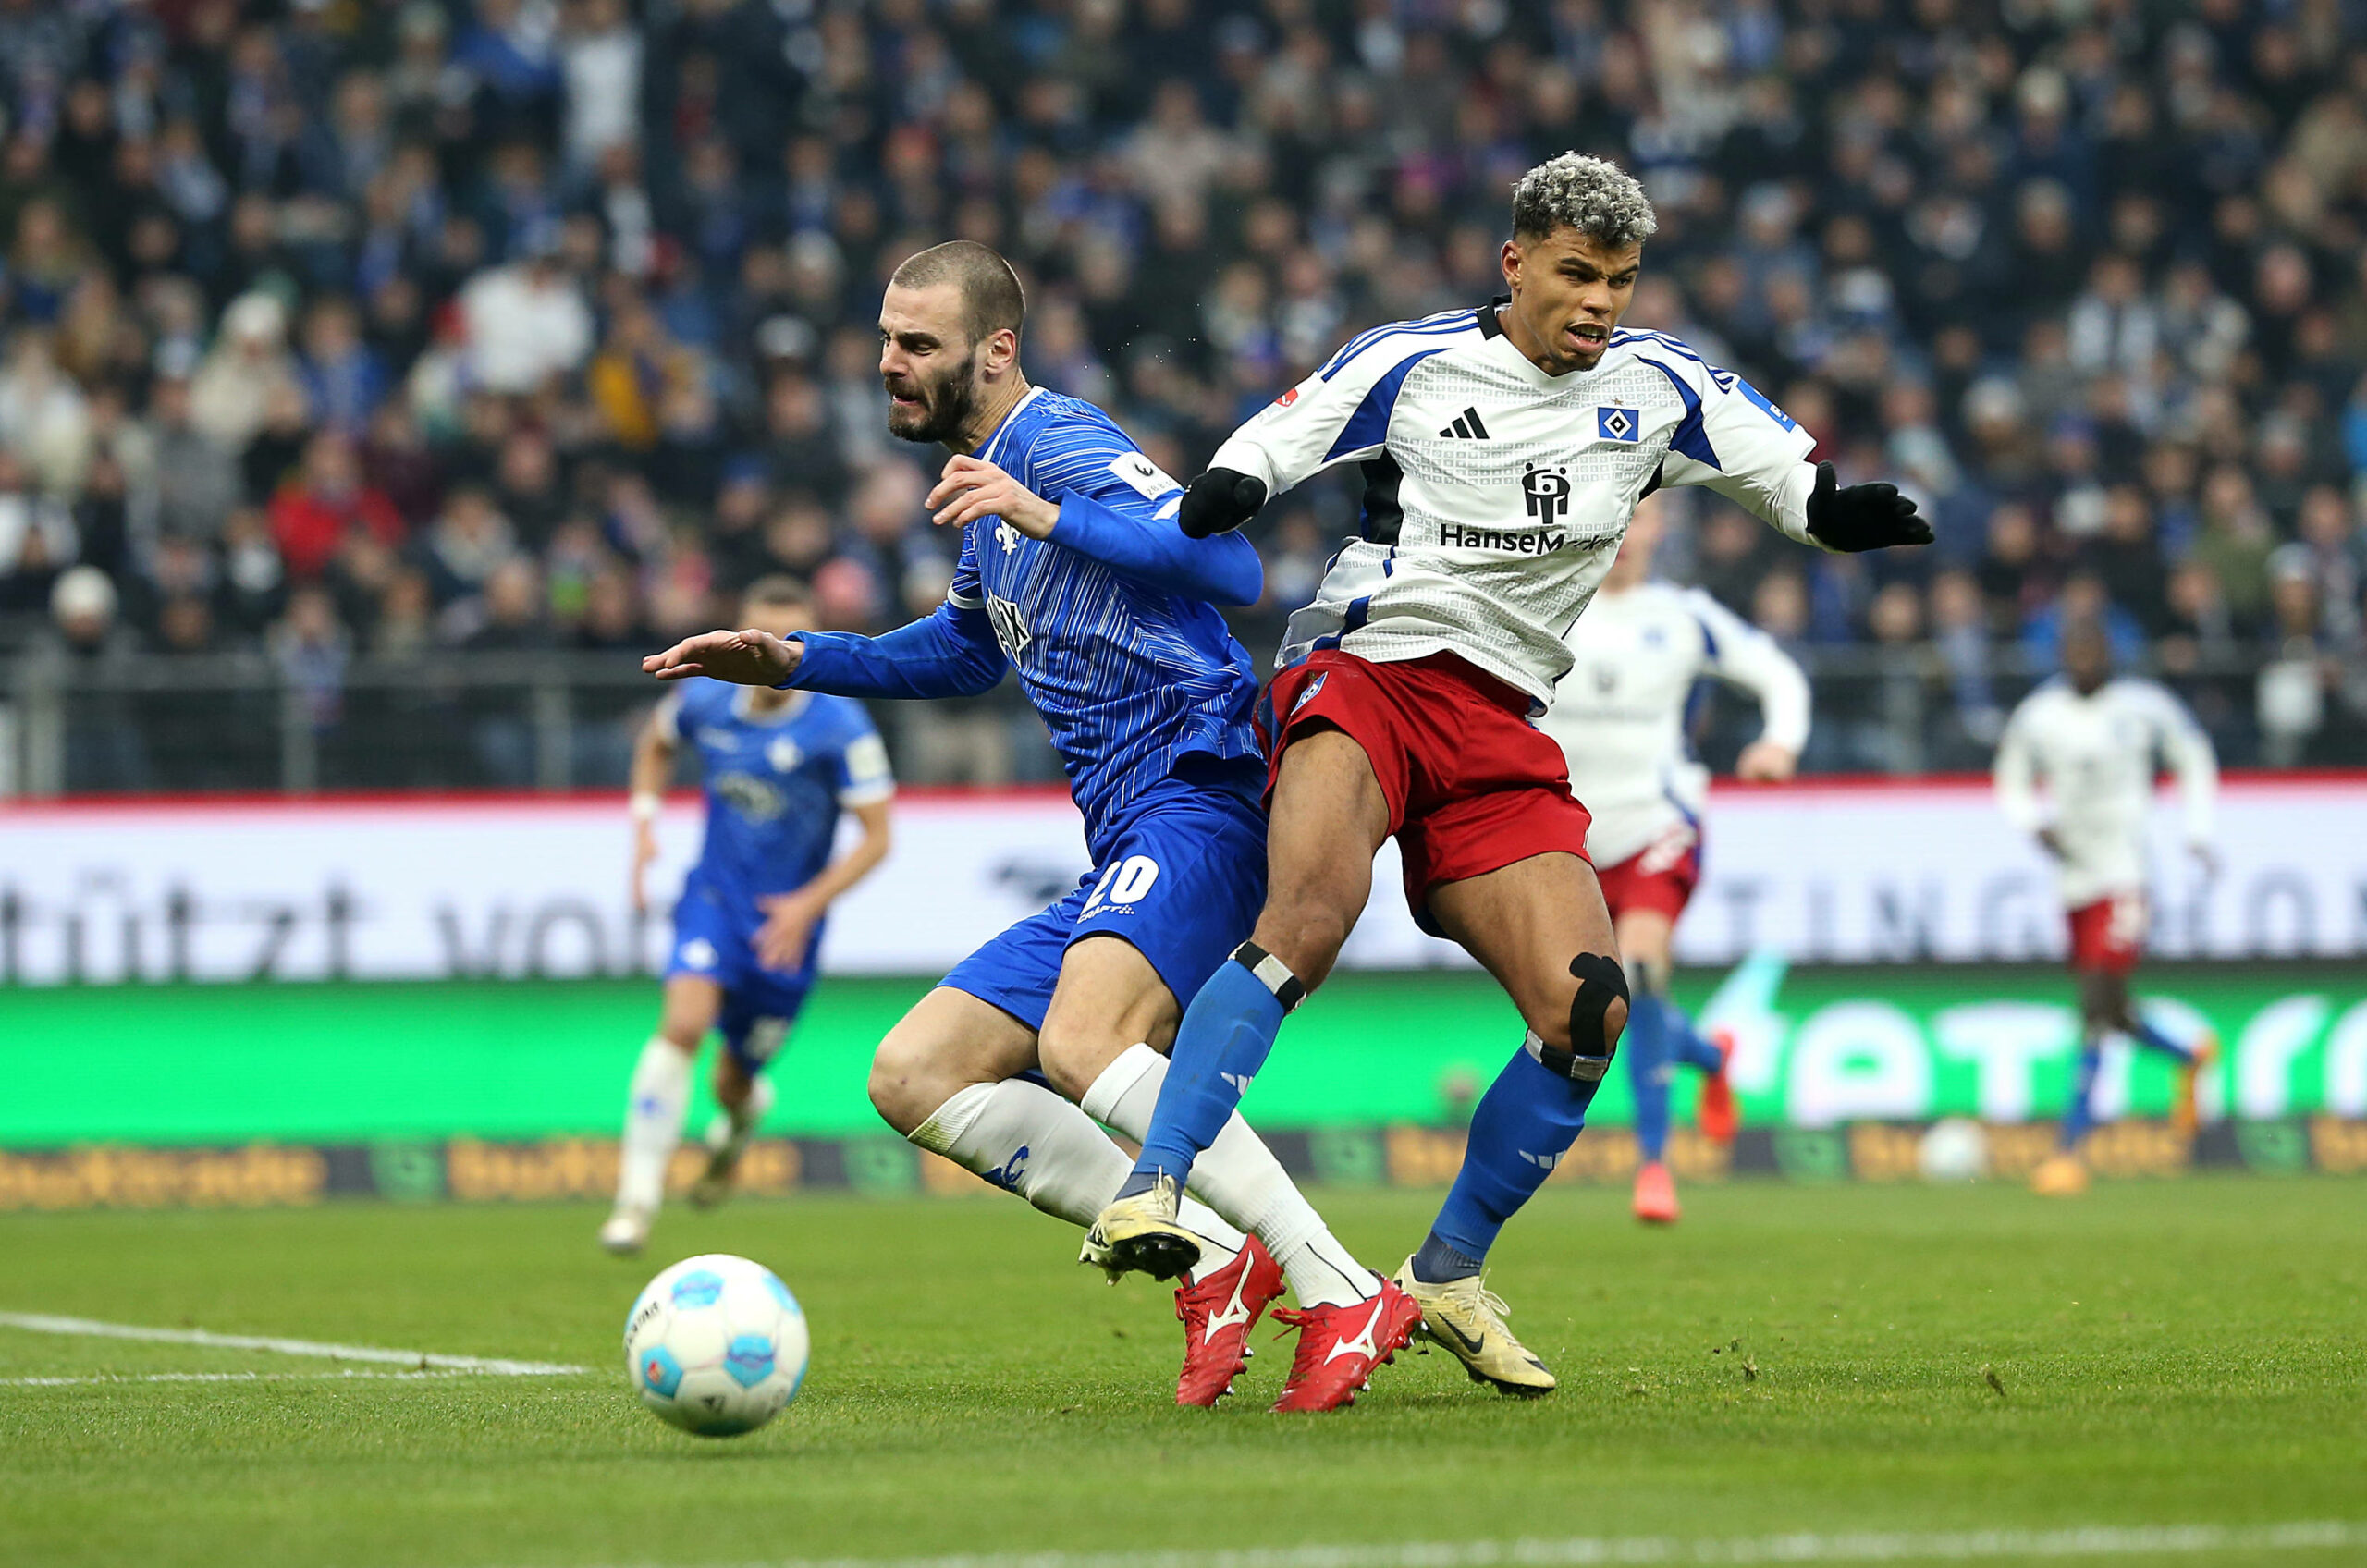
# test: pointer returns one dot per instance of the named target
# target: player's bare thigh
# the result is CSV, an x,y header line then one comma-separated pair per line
x,y
1645,937
949,1041
1525,923
1328,820
1109,998
688,1006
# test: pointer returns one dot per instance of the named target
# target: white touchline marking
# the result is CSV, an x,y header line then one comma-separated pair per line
x,y
224,1377
419,1360
2076,1541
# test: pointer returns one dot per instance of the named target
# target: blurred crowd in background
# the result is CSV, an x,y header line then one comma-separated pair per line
x,y
343,334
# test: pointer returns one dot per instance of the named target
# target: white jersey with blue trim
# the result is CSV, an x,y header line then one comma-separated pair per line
x,y
1496,494
2094,756
1130,679
1619,714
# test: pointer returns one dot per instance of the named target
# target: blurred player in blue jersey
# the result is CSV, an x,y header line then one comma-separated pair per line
x,y
1075,576
779,768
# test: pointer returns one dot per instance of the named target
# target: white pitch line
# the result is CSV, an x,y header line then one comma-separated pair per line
x,y
2080,1541
417,1360
222,1378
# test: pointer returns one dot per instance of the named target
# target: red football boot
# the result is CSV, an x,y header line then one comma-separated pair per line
x,y
1655,1194
1216,1313
1714,1111
1338,1346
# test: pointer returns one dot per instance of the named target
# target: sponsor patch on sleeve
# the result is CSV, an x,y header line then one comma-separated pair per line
x,y
1148,479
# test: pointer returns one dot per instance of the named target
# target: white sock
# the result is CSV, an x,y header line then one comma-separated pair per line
x,y
1239,1177
653,1107
1027,1140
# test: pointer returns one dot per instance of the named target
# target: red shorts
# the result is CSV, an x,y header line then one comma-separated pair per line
x,y
1661,876
1472,786
2109,935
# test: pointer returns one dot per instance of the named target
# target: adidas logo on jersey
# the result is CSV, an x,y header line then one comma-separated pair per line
x,y
1466,427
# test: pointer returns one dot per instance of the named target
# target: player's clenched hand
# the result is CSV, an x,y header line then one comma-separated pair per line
x,y
749,657
1766,762
789,924
1219,501
970,488
1863,517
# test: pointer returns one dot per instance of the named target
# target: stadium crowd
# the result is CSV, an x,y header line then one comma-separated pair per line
x,y
354,330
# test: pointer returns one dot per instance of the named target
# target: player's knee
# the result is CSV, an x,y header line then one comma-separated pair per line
x,y
1578,1028
1072,1057
903,1087
1306,936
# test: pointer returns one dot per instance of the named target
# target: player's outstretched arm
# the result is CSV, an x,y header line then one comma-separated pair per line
x,y
747,657
1738,443
1114,505
951,654
1126,533
1863,517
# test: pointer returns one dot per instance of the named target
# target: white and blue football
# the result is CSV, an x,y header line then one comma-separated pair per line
x,y
717,1345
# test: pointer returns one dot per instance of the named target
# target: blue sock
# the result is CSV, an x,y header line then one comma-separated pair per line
x,y
1645,1045
1686,1046
1524,1122
2153,1039
2082,1115
1226,1035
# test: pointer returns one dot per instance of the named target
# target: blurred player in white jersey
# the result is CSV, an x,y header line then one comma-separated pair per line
x,y
1619,715
1504,448
779,769
2091,738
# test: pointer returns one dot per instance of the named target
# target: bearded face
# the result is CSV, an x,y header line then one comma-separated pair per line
x,y
931,402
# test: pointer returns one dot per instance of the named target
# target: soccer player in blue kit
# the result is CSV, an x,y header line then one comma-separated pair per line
x,y
779,768
1074,575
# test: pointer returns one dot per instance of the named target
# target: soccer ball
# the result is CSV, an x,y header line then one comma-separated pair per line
x,y
717,1345
1954,1149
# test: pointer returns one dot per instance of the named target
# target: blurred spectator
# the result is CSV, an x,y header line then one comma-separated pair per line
x,y
38,541
526,323
247,365
196,480
315,513
104,746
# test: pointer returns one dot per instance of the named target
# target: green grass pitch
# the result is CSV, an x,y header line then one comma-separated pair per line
x,y
1805,1359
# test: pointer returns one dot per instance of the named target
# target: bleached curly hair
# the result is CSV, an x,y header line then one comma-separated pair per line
x,y
1594,196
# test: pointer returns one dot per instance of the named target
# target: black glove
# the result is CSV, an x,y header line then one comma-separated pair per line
x,y
1219,501
1864,517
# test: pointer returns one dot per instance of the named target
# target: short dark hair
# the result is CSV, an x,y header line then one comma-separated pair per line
x,y
777,590
992,297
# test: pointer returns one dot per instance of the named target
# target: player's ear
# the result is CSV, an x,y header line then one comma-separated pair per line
x,y
1002,351
1510,259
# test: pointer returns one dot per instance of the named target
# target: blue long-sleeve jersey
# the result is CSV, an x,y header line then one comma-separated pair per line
x,y
1111,624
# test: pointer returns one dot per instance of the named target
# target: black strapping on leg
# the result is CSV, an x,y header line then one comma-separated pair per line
x,y
1587,1055
1272,974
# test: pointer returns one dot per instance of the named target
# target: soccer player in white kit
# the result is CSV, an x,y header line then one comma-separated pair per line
x,y
1502,448
2091,736
1619,715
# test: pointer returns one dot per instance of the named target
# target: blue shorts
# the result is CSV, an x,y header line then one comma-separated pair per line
x,y
1183,881
716,941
